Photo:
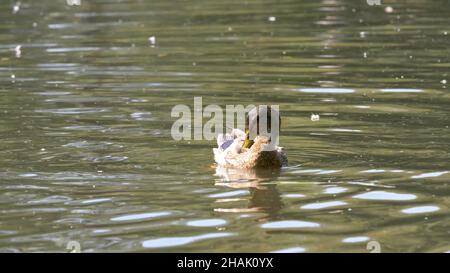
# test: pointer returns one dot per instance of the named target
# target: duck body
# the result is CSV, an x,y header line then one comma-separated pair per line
x,y
232,154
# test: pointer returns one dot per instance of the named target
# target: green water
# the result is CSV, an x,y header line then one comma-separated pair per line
x,y
86,152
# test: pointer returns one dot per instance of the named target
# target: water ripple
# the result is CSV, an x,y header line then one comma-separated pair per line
x,y
327,90
51,200
229,194
322,205
356,239
420,209
178,241
427,175
334,190
207,223
73,111
141,216
290,250
383,195
289,224
401,90
96,201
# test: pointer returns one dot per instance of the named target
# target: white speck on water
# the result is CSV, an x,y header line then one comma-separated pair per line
x,y
18,50
365,54
388,9
13,76
362,34
43,149
16,7
445,33
152,40
444,81
315,117
35,24
272,19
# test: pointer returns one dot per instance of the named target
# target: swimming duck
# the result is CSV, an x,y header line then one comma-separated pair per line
x,y
238,150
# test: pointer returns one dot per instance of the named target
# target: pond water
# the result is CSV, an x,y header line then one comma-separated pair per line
x,y
86,152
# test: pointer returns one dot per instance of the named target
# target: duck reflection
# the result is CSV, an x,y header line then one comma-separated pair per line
x,y
264,196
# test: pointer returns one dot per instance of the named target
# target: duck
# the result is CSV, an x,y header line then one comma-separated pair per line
x,y
239,150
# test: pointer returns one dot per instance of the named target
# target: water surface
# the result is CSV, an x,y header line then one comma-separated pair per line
x,y
86,152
